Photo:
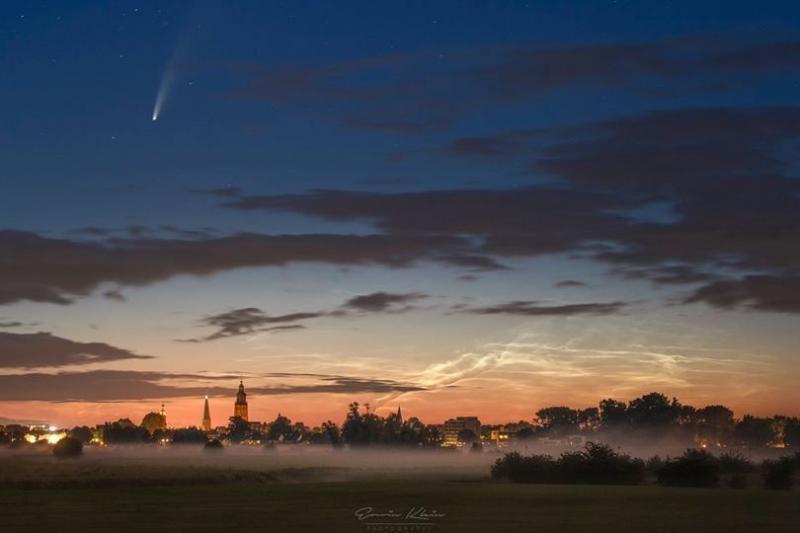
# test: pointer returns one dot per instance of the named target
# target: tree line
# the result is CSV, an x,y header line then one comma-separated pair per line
x,y
652,416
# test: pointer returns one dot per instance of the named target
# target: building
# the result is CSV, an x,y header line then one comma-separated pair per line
x,y
240,407
454,427
206,417
500,435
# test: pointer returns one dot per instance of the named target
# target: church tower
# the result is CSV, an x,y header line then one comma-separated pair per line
x,y
240,407
206,417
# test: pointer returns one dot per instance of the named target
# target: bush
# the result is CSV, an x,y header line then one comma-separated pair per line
x,y
476,447
654,464
519,469
779,474
213,446
733,463
695,468
597,464
736,481
68,447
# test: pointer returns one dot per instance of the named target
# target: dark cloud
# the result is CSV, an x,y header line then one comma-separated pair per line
x,y
222,191
114,294
250,320
57,271
570,283
534,308
414,93
382,301
474,263
673,151
666,274
12,324
138,230
527,221
783,54
122,385
724,173
31,350
487,146
778,294
92,231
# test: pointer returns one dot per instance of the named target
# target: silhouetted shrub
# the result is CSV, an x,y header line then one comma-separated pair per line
x,y
68,447
733,463
695,468
213,446
476,447
189,436
597,464
520,469
736,481
654,464
779,474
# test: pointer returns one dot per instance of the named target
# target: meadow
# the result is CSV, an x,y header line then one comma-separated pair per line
x,y
164,489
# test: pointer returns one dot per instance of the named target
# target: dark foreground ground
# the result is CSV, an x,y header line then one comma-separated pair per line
x,y
219,499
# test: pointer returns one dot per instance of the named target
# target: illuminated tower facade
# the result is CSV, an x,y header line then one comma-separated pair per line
x,y
240,407
206,417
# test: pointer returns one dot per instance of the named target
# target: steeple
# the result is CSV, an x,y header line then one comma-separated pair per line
x,y
240,407
399,414
206,417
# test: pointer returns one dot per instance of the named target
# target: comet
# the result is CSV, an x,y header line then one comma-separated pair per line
x,y
164,89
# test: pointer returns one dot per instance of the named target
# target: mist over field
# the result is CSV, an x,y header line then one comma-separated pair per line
x,y
191,464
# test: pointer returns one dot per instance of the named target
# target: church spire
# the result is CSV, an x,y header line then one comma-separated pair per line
x,y
206,417
240,407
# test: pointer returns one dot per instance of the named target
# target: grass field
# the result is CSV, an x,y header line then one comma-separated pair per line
x,y
214,499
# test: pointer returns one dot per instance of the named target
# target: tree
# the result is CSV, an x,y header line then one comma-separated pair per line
x,y
190,435
82,433
714,423
467,436
613,414
432,436
68,447
238,429
124,431
154,421
755,432
558,420
653,410
362,428
525,433
588,419
791,433
213,446
352,430
280,429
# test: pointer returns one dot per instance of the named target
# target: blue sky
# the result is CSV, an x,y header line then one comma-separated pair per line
x,y
482,154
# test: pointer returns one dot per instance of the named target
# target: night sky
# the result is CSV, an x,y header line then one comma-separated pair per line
x,y
464,208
